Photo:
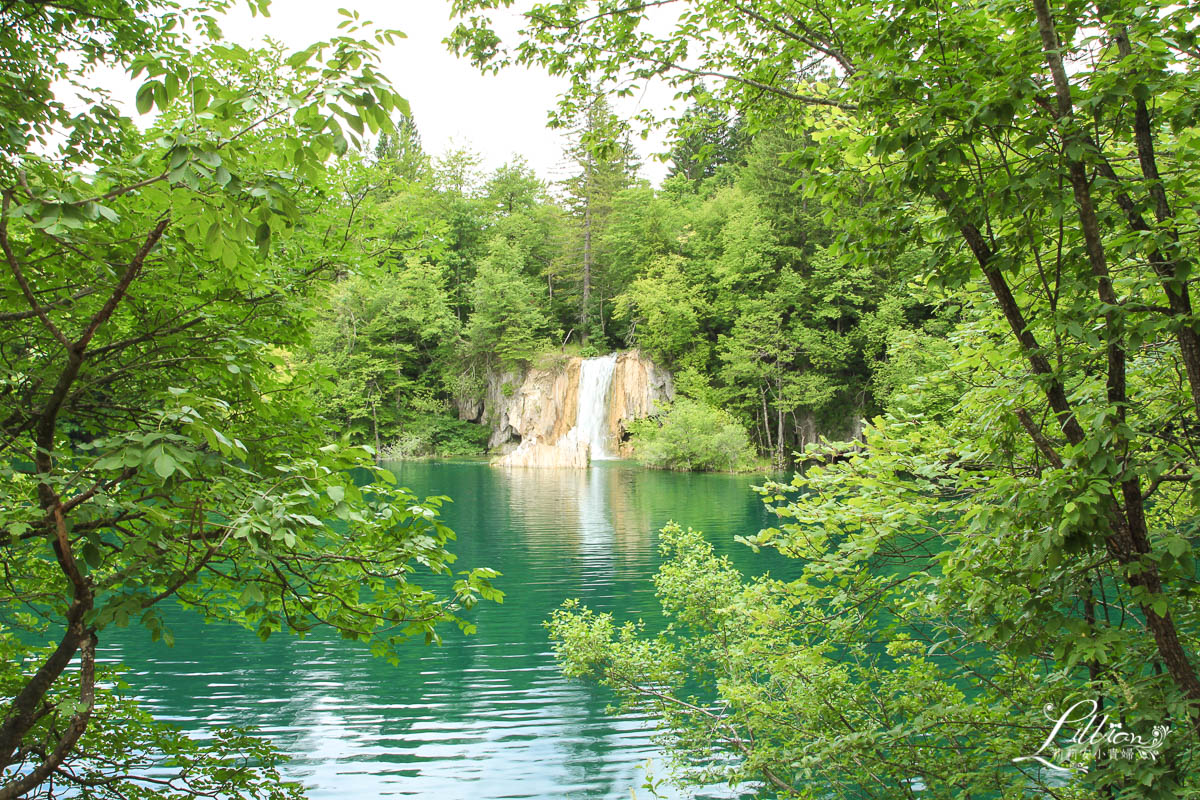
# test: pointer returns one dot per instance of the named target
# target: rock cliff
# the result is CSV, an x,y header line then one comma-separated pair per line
x,y
639,388
533,415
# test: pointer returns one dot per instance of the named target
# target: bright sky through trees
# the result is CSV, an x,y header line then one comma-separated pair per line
x,y
454,105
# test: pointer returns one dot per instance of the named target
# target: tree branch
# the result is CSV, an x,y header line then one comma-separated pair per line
x,y
15,266
1039,438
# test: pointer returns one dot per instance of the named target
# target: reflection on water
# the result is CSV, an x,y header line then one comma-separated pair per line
x,y
485,716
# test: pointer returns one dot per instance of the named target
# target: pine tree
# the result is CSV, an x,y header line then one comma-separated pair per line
x,y
403,149
706,138
604,163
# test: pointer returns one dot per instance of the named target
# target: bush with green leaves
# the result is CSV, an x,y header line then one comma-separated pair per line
x,y
693,436
785,685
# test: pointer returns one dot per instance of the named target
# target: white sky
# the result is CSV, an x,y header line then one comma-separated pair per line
x,y
453,103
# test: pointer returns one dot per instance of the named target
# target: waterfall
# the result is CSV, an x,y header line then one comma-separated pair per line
x,y
564,413
591,419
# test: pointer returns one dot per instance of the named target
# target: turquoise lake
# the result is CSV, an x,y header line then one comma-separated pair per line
x,y
481,717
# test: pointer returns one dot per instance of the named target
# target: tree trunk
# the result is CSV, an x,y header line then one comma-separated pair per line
x,y
766,420
79,637
779,437
587,272
1172,270
1129,541
375,430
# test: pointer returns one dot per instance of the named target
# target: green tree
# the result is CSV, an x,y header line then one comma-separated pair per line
x,y
155,445
705,140
759,356
382,339
465,217
642,229
513,187
402,150
602,157
1039,153
665,311
387,334
508,322
777,181
785,337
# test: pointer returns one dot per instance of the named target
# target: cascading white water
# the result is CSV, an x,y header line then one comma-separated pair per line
x,y
591,419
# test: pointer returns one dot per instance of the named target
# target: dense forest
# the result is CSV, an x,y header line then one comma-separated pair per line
x,y
720,275
937,258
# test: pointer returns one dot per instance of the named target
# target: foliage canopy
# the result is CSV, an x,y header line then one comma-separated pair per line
x,y
155,444
1036,157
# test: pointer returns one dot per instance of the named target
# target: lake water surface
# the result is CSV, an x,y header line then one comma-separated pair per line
x,y
481,717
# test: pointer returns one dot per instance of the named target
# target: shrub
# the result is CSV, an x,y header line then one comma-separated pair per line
x,y
693,436
424,435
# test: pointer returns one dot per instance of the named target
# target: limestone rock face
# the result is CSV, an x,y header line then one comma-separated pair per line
x,y
531,413
536,453
538,405
470,409
639,389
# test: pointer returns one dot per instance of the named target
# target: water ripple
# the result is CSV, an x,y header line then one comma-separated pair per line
x,y
479,718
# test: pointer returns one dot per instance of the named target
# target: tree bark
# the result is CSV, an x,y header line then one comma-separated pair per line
x,y
779,437
22,710
587,270
75,727
766,420
1129,540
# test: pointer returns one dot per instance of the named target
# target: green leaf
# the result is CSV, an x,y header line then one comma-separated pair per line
x,y
91,554
212,239
145,97
164,465
252,593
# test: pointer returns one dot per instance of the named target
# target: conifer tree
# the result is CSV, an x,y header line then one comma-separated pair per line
x,y
604,163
